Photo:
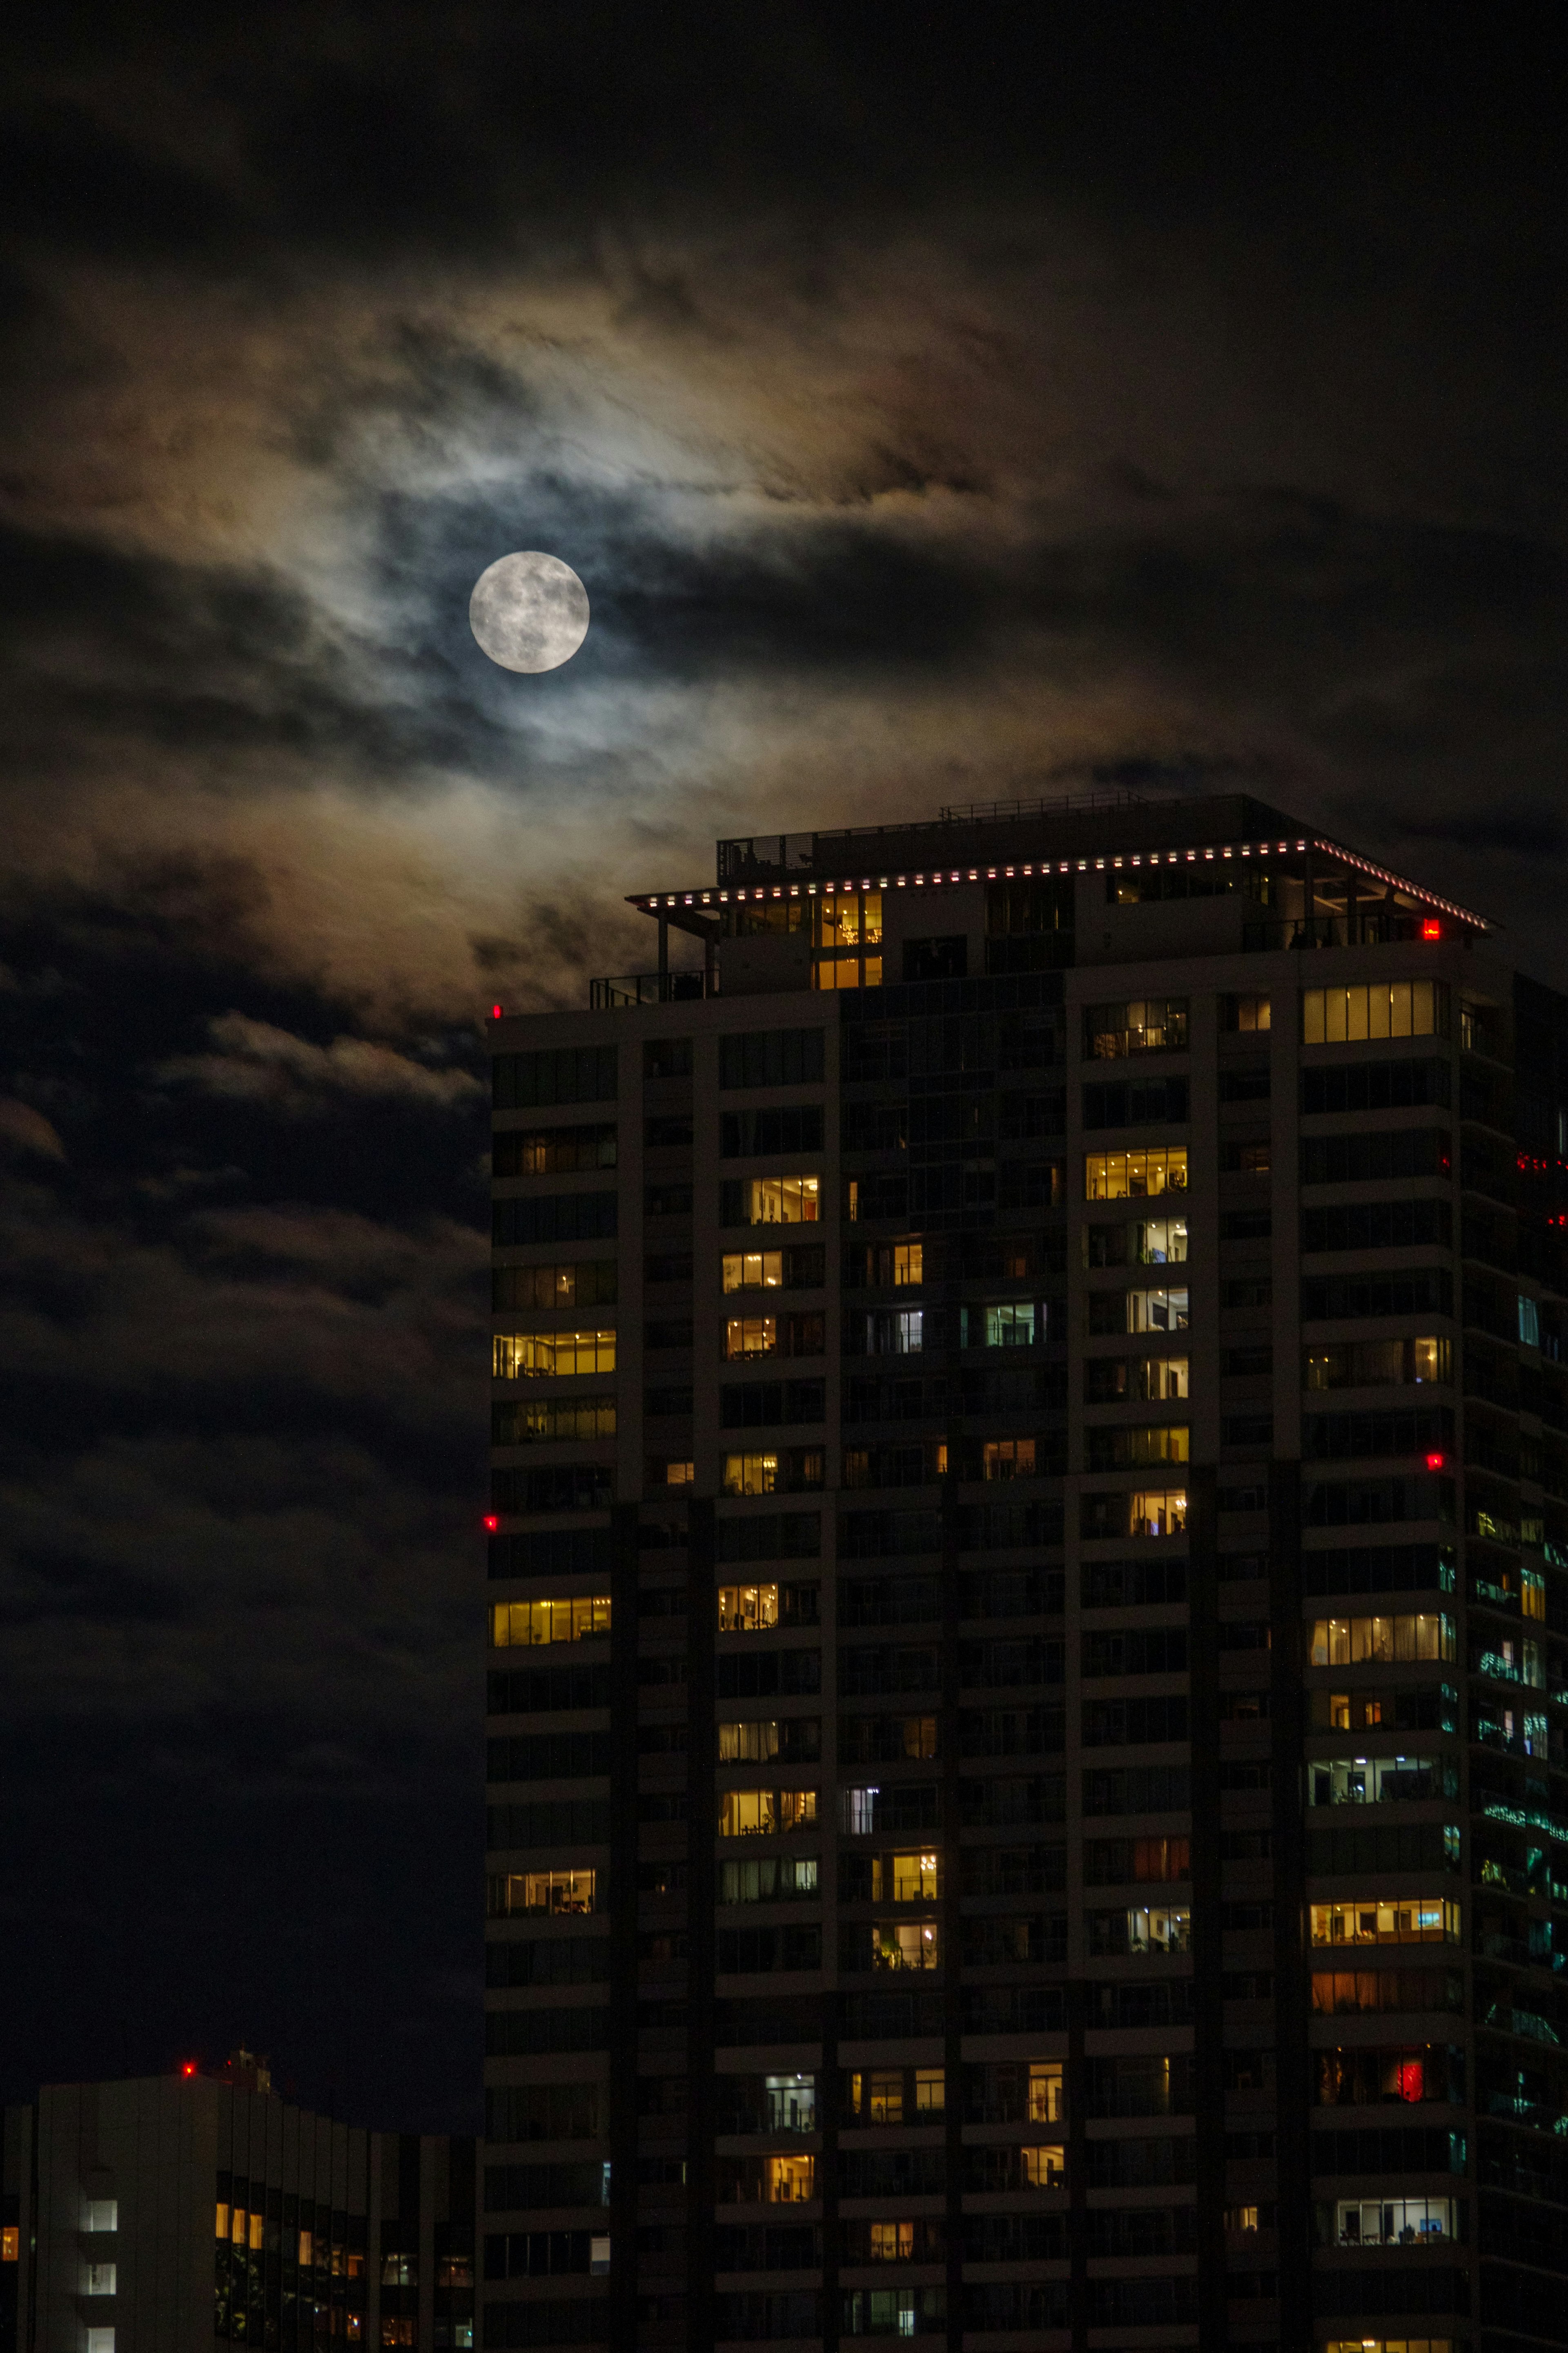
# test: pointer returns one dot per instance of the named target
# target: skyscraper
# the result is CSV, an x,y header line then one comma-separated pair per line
x,y
1027,1608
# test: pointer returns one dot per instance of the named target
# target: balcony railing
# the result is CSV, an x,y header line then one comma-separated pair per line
x,y
629,989
1334,931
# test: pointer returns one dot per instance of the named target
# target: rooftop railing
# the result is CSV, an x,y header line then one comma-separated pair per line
x,y
625,991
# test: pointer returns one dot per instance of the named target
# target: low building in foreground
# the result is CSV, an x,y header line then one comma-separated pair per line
x,y
177,2212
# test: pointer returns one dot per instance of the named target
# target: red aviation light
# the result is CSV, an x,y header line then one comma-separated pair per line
x,y
1435,1462
495,1013
188,2067
1431,929
491,1523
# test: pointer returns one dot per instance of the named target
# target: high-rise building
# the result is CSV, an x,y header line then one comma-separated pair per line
x,y
179,2213
1027,1610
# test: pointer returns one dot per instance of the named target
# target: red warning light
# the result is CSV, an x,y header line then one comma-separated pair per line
x,y
1434,1462
491,1523
188,2067
1431,929
495,1012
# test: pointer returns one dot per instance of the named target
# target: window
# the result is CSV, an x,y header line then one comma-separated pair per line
x,y
531,1356
1152,1025
1009,1326
560,1890
1129,1176
771,1058
1399,1009
885,1266
518,1624
749,1813
563,1074
1042,2168
545,1420
1529,1322
1392,2222
1245,1159
1390,2344
905,1945
930,2092
1377,1364
847,939
667,1058
754,1270
788,2180
747,1744
590,1284
1159,1928
1533,1593
789,2103
1158,1512
906,1878
1348,1642
772,1200
795,1468
100,2340
891,1331
1007,1458
1129,1447
770,1879
99,2279
1137,1311
1376,1780
1243,1013
552,1151
1154,1381
10,2243
1045,2092
1393,1921
750,1335
100,2214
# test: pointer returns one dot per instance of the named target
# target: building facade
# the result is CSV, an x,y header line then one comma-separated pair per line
x,y
170,2214
1027,1608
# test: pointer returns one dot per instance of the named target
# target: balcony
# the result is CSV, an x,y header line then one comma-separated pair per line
x,y
627,990
1334,932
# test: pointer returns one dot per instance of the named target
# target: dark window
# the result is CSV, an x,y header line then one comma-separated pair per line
x,y
673,1331
552,1151
553,1217
664,1404
668,1201
760,1405
666,1129
785,1127
946,959
1134,1103
1246,1226
771,1058
1378,1225
1375,1086
772,1536
559,1552
1246,1429
668,1266
564,1487
1248,1085
1419,1291
667,1058
1133,1723
1254,1358
563,1074
1377,1158
1249,1291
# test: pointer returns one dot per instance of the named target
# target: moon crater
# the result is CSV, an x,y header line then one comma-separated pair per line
x,y
529,612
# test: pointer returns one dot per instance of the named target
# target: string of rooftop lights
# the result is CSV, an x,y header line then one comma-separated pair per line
x,y
653,901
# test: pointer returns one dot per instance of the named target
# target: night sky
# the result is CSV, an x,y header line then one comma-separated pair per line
x,y
937,405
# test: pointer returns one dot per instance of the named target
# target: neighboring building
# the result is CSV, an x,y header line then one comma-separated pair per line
x,y
1032,1436
171,2213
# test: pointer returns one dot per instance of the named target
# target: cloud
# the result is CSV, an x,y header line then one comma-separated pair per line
x,y
24,1130
258,1064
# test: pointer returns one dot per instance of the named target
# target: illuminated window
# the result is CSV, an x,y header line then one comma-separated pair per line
x,y
751,1474
906,1878
1242,2219
1392,2222
747,1609
750,1335
544,1419
891,2242
1158,1511
677,1474
1131,1176
746,1813
1149,1025
1009,1324
1393,1921
99,2279
931,2091
1138,1311
1378,1364
894,1330
99,2340
789,2181
516,1625
770,1879
100,2214
11,2243
783,1200
753,1271
1533,1594
790,2103
531,1356
1399,1009
1045,2093
1159,1928
1350,1642
1043,2167
847,939
548,1891
1372,1780
747,1744
1007,1458
905,1945
885,2096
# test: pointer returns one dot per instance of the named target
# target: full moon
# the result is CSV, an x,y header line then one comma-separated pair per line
x,y
529,612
